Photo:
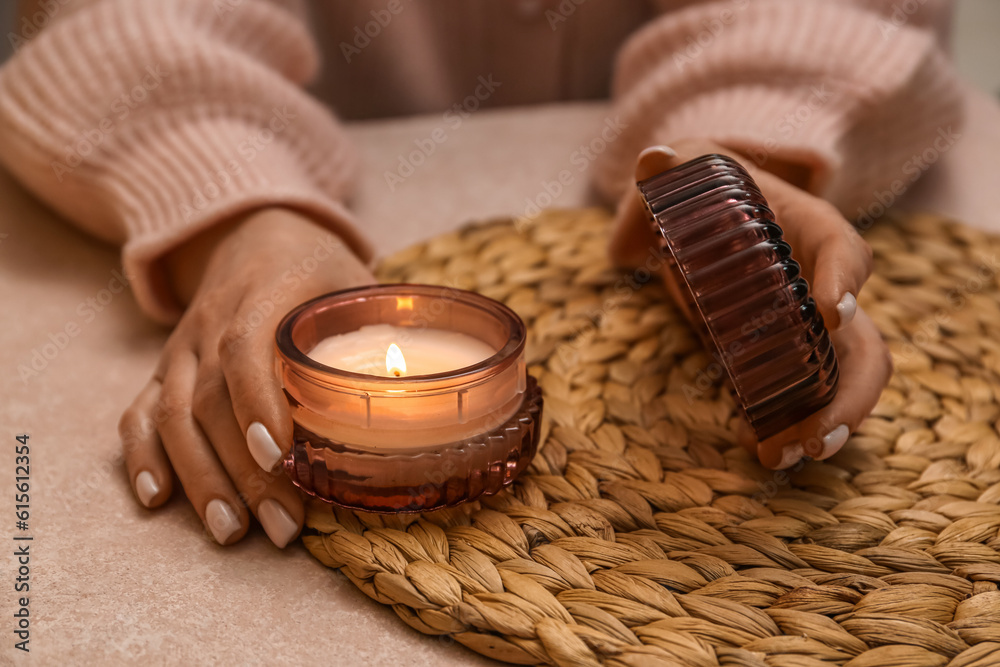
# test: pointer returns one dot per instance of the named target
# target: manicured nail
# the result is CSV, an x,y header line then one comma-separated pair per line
x,y
146,487
222,520
846,308
790,456
263,448
662,150
833,441
278,523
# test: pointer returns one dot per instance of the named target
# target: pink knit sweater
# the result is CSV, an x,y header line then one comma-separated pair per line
x,y
145,122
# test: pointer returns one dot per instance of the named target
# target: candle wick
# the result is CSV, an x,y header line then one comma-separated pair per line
x,y
396,372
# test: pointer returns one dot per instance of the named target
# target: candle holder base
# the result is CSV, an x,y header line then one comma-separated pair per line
x,y
430,479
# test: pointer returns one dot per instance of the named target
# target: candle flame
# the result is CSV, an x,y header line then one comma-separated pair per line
x,y
395,364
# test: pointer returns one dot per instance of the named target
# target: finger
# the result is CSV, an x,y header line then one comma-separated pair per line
x,y
148,468
260,406
842,267
835,259
270,496
865,367
205,481
781,451
633,235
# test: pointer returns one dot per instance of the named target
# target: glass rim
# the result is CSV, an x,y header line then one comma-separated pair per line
x,y
500,360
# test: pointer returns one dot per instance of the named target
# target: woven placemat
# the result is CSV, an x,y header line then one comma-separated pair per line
x,y
643,535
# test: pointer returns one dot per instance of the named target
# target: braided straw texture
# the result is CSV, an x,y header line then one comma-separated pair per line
x,y
643,535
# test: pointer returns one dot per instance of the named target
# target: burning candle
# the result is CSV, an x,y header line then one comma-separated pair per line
x,y
395,362
377,349
406,397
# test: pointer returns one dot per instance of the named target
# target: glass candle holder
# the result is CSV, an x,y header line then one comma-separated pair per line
x,y
415,442
736,280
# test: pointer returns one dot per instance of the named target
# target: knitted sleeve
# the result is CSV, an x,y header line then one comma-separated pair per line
x,y
859,93
147,122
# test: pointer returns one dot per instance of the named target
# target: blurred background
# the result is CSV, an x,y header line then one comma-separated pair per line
x,y
975,40
976,43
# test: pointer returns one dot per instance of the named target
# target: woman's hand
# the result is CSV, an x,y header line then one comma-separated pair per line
x,y
214,411
836,262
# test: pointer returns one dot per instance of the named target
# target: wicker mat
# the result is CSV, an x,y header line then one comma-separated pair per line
x,y
643,535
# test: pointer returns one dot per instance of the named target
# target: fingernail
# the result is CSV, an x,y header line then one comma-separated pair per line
x,y
790,456
278,523
661,149
263,448
222,520
146,487
833,441
846,308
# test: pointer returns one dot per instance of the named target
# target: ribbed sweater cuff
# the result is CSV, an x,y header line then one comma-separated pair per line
x,y
179,182
178,178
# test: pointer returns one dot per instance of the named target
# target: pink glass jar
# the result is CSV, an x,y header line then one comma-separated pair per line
x,y
414,443
743,291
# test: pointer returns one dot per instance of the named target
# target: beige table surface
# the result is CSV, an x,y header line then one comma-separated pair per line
x,y
113,583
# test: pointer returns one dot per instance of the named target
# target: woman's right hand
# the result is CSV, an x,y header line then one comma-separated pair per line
x,y
214,411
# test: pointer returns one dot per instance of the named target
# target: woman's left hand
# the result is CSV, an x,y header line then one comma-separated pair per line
x,y
214,412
